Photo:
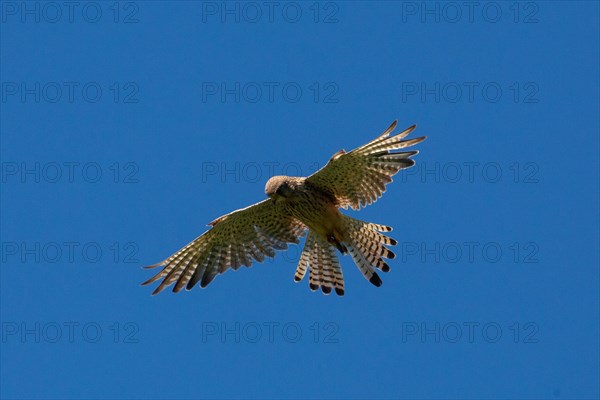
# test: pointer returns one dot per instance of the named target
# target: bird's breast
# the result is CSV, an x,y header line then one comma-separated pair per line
x,y
315,210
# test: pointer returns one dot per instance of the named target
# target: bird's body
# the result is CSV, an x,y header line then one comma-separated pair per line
x,y
297,204
315,208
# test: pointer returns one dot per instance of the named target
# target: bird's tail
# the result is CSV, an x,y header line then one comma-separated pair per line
x,y
362,240
366,245
319,257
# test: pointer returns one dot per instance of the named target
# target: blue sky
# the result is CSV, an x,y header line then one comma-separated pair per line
x,y
126,128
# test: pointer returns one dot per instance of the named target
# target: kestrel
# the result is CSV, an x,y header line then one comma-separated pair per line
x,y
297,204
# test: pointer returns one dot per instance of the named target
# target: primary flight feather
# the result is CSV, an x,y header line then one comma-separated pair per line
x,y
294,205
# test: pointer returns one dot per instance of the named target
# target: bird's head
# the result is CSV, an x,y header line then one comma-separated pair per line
x,y
279,187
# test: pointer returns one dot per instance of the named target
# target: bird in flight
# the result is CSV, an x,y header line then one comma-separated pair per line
x,y
298,204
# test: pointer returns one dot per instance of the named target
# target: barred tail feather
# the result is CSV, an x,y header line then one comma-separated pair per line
x,y
337,272
367,247
320,259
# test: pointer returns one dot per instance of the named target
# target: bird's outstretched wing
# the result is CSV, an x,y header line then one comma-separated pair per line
x,y
235,239
358,178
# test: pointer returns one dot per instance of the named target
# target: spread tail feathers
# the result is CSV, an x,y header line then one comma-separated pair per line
x,y
363,241
319,257
366,246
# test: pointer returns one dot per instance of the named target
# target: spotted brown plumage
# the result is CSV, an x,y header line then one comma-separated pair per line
x,y
358,178
296,204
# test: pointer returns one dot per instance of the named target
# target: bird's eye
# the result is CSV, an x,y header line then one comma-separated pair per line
x,y
282,190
